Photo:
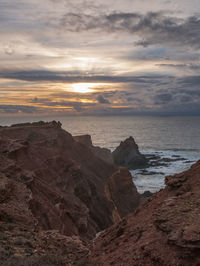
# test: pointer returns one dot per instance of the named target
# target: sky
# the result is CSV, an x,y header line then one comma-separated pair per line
x,y
103,57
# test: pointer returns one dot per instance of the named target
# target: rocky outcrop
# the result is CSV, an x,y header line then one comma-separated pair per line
x,y
102,153
56,194
53,189
164,230
127,154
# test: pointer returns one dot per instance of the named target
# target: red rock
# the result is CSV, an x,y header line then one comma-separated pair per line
x,y
102,153
165,230
56,194
49,181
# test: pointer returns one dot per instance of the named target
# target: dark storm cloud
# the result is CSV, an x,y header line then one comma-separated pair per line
x,y
190,81
109,94
115,111
101,99
186,99
189,91
53,76
163,98
152,28
76,105
133,99
173,65
182,96
145,44
37,100
189,66
12,109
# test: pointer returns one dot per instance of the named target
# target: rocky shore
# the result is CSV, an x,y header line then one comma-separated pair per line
x,y
55,186
64,202
127,154
165,230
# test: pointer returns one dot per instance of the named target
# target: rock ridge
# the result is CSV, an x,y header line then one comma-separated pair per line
x,y
102,153
164,230
53,188
60,204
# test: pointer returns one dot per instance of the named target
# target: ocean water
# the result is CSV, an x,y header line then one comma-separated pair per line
x,y
175,139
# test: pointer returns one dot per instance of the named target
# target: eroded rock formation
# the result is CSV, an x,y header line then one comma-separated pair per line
x,y
128,155
163,231
56,194
53,189
102,153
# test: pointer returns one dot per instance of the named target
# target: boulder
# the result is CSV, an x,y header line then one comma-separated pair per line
x,y
128,155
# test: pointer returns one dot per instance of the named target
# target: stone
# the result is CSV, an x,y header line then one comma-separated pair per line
x,y
56,194
164,230
102,153
128,155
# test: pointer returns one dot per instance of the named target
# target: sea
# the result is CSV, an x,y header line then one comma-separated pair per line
x,y
172,142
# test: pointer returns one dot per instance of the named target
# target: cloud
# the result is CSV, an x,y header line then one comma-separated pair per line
x,y
143,43
69,77
148,58
101,99
12,109
152,27
133,99
186,98
190,80
76,105
8,49
163,98
188,65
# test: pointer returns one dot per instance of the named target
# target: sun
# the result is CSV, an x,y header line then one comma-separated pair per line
x,y
83,87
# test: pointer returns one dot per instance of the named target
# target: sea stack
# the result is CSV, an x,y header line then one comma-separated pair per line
x,y
127,154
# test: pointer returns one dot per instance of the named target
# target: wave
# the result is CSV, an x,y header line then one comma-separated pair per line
x,y
178,161
175,149
156,150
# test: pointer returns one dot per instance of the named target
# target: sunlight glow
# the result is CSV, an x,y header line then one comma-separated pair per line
x,y
83,87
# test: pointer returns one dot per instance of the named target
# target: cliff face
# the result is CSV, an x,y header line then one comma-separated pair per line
x,y
165,230
49,181
56,194
128,155
102,153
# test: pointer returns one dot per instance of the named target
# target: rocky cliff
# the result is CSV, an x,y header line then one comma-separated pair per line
x,y
55,191
127,154
56,194
163,231
102,153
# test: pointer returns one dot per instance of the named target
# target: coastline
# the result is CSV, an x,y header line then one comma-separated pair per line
x,y
63,203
